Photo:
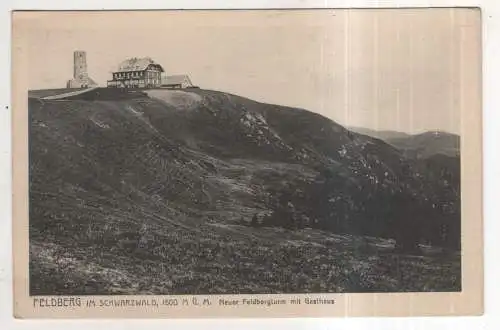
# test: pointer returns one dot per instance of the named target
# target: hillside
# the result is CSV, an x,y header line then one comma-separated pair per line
x,y
126,185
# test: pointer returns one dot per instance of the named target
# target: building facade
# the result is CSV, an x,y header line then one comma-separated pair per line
x,y
81,77
137,73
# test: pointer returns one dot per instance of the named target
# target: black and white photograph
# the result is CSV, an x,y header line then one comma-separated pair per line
x,y
262,152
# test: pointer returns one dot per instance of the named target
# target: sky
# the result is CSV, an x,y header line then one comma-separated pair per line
x,y
397,70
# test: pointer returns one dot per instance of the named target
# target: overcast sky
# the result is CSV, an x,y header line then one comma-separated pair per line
x,y
386,69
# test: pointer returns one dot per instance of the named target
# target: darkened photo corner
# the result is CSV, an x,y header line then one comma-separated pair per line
x,y
259,154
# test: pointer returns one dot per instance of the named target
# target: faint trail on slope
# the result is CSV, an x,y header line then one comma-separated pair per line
x,y
68,94
236,229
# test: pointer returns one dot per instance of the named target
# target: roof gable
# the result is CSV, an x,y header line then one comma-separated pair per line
x,y
137,64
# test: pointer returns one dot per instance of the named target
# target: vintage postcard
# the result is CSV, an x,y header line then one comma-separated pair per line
x,y
247,163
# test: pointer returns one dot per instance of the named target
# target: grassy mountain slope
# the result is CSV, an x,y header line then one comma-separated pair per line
x,y
153,193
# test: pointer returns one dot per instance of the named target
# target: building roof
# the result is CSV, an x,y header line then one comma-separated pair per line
x,y
137,64
175,79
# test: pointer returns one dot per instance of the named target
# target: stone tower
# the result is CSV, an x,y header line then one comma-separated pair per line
x,y
80,74
79,65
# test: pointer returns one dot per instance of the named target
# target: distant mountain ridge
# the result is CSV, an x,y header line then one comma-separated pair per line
x,y
380,134
419,145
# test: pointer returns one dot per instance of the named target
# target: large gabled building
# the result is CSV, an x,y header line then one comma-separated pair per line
x,y
137,73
